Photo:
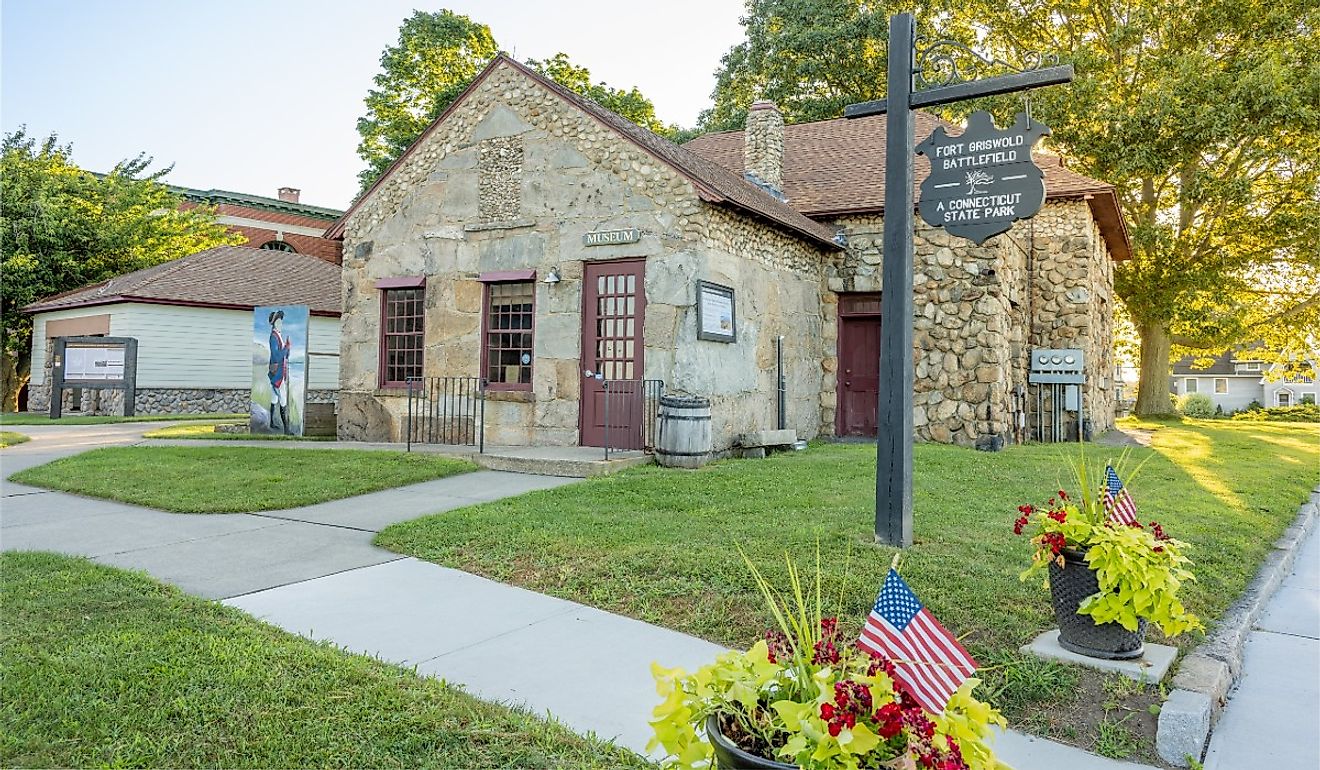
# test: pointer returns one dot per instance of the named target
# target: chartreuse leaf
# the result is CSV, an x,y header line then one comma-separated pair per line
x,y
858,740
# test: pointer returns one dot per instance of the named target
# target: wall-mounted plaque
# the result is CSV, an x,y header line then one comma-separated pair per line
x,y
983,180
716,320
611,237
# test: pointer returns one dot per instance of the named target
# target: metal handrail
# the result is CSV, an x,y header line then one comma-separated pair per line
x,y
446,410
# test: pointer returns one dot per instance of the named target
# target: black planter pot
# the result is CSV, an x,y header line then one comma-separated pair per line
x,y
730,757
1069,586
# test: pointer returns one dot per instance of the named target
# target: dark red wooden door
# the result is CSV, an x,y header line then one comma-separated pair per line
x,y
859,365
613,306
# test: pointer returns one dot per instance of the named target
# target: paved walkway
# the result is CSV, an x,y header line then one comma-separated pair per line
x,y
1270,718
313,571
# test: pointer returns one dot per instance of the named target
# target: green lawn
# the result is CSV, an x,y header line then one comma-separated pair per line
x,y
660,545
9,438
227,479
109,668
206,431
34,418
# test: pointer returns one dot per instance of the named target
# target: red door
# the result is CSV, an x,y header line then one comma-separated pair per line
x,y
613,306
859,364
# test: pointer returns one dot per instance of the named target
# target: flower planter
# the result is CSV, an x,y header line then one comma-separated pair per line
x,y
1069,586
729,757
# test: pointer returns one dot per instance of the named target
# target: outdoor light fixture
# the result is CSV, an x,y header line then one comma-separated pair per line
x,y
553,278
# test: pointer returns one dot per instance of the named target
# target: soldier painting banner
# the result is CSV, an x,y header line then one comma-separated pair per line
x,y
279,369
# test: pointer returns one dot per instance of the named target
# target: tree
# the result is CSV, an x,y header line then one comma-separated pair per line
x,y
1206,117
62,228
437,56
812,58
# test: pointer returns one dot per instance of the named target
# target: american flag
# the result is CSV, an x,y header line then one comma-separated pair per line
x,y
928,661
1118,503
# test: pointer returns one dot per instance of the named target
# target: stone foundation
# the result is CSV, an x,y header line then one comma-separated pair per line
x,y
105,401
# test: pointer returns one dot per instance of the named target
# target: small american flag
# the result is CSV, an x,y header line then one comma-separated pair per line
x,y
928,661
1118,503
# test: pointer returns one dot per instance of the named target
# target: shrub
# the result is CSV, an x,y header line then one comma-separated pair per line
x,y
1298,413
1196,405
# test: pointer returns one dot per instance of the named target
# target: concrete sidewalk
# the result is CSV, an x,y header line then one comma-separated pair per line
x,y
588,668
220,555
1271,713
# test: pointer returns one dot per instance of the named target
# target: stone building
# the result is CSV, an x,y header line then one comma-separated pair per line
x,y
536,240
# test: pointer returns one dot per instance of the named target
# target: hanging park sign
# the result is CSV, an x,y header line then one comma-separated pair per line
x,y
983,180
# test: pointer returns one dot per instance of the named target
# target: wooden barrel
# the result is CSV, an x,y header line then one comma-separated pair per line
x,y
684,440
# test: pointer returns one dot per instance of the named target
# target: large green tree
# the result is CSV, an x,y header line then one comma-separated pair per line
x,y
436,57
1206,117
62,227
812,58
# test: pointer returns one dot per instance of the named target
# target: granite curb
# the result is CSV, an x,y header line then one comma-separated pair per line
x,y
1206,674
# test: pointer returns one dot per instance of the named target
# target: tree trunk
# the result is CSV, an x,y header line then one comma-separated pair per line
x,y
1153,385
13,375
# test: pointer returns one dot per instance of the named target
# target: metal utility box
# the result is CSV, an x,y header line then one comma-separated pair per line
x,y
1058,376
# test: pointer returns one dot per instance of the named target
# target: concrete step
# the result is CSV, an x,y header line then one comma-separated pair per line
x,y
575,464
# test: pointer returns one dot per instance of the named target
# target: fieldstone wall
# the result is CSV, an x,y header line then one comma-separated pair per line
x,y
971,308
106,401
1072,299
449,212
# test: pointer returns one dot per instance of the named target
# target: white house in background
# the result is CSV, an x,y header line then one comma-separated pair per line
x,y
1235,379
192,318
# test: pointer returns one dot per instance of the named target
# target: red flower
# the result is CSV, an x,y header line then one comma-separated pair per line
x,y
1063,495
889,720
1059,515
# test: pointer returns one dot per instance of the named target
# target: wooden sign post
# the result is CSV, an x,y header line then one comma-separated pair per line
x,y
893,475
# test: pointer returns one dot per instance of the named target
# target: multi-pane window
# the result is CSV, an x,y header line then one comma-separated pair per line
x,y
401,336
1221,384
508,328
1189,385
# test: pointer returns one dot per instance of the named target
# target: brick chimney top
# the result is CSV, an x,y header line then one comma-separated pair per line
x,y
763,146
289,194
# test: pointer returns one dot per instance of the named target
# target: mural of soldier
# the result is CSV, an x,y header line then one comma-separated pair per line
x,y
279,369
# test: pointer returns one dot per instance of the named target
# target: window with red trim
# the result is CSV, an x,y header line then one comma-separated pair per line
x,y
401,336
507,352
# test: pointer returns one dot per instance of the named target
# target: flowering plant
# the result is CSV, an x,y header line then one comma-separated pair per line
x,y
803,695
1139,568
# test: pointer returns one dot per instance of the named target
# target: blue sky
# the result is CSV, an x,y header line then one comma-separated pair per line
x,y
250,96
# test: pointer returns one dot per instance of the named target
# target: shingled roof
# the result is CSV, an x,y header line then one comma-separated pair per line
x,y
837,167
228,277
713,182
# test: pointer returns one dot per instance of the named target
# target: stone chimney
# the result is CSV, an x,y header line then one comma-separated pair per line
x,y
289,194
763,145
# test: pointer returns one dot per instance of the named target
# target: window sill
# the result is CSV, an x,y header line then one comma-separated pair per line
x,y
519,396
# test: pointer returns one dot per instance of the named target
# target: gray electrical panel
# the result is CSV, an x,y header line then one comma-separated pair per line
x,y
1058,375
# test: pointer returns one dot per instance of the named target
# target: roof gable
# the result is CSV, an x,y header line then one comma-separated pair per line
x,y
836,167
712,182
